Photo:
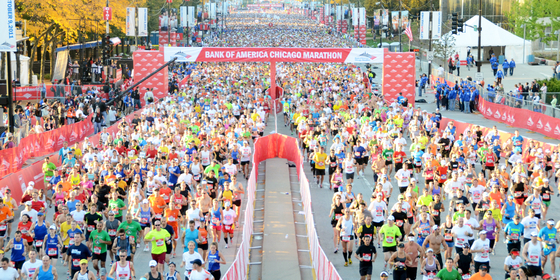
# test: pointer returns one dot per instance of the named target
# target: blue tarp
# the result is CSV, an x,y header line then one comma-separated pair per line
x,y
87,45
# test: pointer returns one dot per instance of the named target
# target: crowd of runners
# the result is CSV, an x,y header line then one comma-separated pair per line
x,y
173,178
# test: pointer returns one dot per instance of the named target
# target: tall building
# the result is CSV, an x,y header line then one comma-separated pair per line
x,y
493,10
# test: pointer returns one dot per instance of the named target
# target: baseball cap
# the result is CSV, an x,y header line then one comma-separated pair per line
x,y
534,233
384,274
197,261
429,250
83,261
484,267
52,227
391,218
40,214
435,227
103,272
481,232
28,203
153,263
550,222
145,201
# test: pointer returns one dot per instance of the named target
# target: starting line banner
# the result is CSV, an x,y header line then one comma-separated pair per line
x,y
340,55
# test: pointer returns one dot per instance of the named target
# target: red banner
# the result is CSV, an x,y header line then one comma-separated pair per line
x,y
146,62
37,145
399,74
47,143
27,93
521,118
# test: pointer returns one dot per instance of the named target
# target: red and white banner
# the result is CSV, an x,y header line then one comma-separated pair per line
x,y
399,73
271,146
146,62
354,55
521,118
52,141
36,145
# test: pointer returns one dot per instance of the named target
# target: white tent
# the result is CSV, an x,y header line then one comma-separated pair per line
x,y
493,37
24,71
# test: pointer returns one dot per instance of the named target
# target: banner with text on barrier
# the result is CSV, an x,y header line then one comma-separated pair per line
x,y
341,55
521,118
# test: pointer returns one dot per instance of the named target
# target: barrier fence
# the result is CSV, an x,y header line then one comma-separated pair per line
x,y
18,180
521,118
28,93
36,145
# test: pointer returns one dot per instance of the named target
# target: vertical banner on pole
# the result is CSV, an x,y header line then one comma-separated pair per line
x,y
212,10
338,13
8,26
130,21
424,25
404,20
184,16
355,16
142,22
385,17
395,21
362,16
436,25
376,18
191,16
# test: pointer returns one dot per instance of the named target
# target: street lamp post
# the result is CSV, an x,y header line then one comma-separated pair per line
x,y
524,30
557,32
479,62
381,28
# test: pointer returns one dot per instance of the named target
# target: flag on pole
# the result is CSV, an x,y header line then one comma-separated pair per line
x,y
408,33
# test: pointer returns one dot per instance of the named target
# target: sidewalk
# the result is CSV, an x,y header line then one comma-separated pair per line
x,y
522,73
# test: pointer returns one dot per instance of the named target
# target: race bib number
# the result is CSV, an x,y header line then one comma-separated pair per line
x,y
112,232
3,227
430,275
227,227
90,228
38,243
333,164
18,246
435,213
448,237
389,239
444,176
97,250
337,216
159,242
215,221
171,219
346,238
515,236
158,216
546,196
144,220
52,252
367,257
71,241
534,260
466,276
75,262
123,276
400,223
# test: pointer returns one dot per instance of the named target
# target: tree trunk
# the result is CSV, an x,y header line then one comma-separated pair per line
x,y
34,52
18,67
43,53
31,59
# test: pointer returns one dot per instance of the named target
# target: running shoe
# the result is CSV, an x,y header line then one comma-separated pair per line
x,y
346,264
336,250
226,246
349,260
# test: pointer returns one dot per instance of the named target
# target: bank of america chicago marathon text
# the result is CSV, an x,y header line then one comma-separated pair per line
x,y
274,54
